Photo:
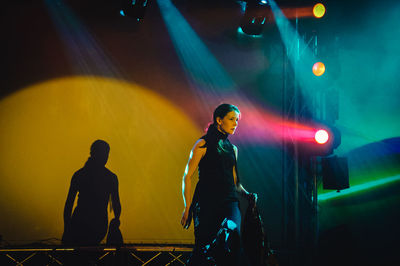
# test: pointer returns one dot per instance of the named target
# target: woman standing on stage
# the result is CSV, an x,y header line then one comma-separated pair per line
x,y
216,193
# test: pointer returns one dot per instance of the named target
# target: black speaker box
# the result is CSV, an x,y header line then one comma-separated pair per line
x,y
335,173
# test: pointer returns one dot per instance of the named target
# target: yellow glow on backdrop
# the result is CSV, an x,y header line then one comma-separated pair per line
x,y
46,133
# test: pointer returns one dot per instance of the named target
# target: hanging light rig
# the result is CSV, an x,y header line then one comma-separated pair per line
x,y
134,8
254,17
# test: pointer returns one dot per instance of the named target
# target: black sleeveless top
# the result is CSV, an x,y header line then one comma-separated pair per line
x,y
216,182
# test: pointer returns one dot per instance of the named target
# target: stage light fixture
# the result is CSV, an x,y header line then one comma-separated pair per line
x,y
318,69
321,136
325,140
319,10
134,8
255,16
335,173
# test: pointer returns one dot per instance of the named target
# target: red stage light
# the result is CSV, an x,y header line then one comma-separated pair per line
x,y
321,136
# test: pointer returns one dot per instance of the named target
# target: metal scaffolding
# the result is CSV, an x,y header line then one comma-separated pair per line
x,y
99,255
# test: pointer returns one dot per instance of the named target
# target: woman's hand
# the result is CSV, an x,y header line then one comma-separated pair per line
x,y
185,222
251,197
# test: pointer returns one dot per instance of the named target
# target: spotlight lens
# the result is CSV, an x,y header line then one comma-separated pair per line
x,y
321,136
318,69
319,10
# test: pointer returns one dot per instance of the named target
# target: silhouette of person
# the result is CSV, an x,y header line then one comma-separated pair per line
x,y
95,185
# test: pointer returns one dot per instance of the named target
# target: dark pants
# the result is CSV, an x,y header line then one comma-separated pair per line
x,y
208,220
233,213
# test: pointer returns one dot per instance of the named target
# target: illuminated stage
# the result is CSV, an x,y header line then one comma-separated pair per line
x,y
147,83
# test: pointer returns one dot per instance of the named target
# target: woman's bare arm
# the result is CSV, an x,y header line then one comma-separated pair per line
x,y
197,152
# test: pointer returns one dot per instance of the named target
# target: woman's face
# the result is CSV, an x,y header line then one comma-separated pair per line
x,y
229,123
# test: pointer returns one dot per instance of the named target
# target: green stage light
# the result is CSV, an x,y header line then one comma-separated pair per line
x,y
358,188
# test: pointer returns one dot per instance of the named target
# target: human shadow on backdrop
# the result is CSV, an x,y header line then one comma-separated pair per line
x,y
95,185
